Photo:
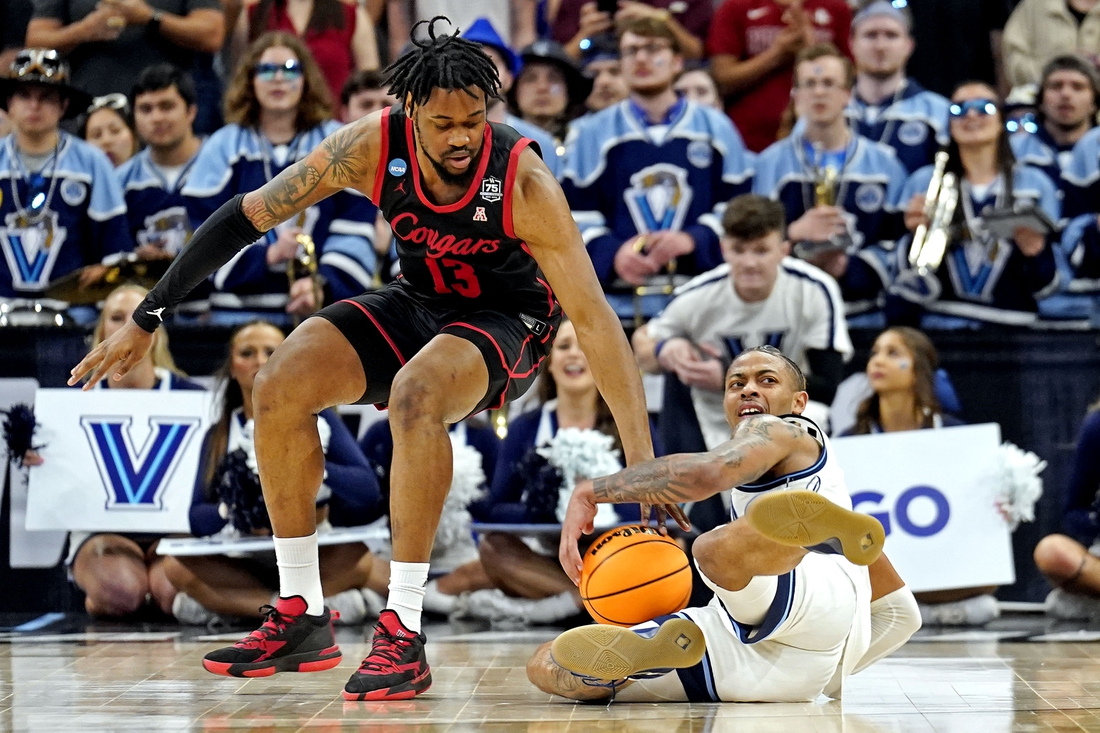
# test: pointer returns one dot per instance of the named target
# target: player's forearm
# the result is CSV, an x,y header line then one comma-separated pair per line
x,y
604,343
672,479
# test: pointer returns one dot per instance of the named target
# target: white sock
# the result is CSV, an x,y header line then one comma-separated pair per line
x,y
554,608
407,581
299,571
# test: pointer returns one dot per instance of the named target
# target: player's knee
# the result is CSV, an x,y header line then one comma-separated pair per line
x,y
1058,556
414,397
707,553
495,550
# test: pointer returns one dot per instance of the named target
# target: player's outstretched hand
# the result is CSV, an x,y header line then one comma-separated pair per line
x,y
580,516
116,355
663,512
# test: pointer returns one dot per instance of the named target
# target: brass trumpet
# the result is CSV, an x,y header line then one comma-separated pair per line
x,y
304,264
825,187
930,240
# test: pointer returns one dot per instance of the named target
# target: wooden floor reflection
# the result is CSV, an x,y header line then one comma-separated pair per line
x,y
114,680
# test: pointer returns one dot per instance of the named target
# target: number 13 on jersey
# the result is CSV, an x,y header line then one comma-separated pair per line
x,y
454,276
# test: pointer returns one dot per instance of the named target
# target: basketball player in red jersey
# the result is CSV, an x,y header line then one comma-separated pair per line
x,y
487,248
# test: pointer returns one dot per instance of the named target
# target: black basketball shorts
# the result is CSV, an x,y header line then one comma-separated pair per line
x,y
388,327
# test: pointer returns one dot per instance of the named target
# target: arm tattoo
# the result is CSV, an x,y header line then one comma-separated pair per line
x,y
338,163
694,476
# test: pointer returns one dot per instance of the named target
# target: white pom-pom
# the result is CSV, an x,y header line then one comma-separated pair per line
x,y
466,483
1017,475
582,454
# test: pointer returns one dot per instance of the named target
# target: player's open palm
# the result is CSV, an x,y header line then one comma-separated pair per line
x,y
116,354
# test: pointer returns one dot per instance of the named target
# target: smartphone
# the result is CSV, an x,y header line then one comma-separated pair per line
x,y
607,6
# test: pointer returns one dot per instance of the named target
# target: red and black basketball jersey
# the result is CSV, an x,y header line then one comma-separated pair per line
x,y
466,255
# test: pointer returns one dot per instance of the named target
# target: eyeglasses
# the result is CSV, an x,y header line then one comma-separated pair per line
x,y
291,69
39,62
650,49
983,107
117,102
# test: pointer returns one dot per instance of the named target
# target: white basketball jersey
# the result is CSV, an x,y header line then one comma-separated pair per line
x,y
804,311
823,477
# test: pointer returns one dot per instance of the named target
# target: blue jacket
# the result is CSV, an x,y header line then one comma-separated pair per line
x,y
623,177
85,211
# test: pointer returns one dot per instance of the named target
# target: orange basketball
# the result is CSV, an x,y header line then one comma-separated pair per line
x,y
632,574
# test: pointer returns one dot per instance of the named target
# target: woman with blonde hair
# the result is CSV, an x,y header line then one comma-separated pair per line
x,y
278,109
121,573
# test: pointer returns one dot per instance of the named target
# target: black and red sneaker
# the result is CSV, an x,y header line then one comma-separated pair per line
x,y
395,669
289,640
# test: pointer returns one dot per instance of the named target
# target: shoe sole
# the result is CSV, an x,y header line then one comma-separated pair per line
x,y
403,691
305,662
612,653
799,518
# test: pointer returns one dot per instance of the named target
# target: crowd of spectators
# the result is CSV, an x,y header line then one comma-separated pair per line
x,y
743,172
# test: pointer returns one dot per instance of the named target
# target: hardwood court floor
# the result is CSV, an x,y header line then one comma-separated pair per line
x,y
125,679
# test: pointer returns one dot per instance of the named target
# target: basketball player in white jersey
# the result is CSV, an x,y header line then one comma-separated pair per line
x,y
758,296
796,608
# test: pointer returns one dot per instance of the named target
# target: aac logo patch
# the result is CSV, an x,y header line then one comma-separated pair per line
x,y
397,167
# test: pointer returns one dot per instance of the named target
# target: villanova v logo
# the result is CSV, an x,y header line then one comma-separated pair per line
x,y
31,249
137,477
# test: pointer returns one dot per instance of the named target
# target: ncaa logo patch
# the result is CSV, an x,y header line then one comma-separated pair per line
x,y
912,133
869,197
491,189
699,153
73,192
397,167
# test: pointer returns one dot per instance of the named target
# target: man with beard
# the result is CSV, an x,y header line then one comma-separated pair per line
x,y
886,105
487,246
647,178
1069,92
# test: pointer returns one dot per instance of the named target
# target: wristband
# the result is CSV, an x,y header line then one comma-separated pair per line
x,y
657,349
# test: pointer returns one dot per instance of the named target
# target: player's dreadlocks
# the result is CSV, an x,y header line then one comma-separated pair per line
x,y
441,62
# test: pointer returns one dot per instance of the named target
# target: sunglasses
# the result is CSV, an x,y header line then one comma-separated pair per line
x,y
291,69
115,101
39,62
983,107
